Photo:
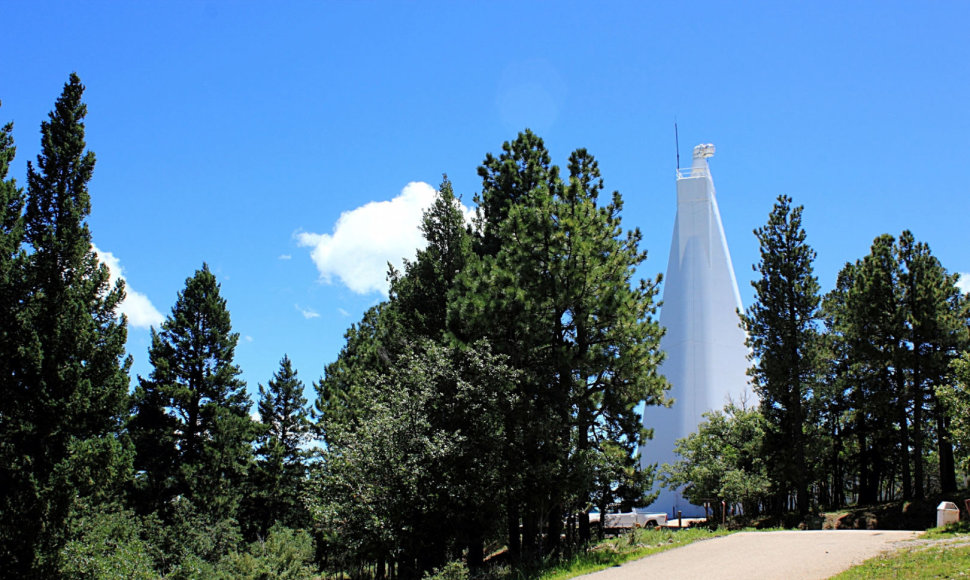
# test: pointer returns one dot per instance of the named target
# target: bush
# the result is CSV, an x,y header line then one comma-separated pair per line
x,y
450,571
285,553
106,542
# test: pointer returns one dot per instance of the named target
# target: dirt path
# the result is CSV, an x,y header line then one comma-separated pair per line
x,y
788,555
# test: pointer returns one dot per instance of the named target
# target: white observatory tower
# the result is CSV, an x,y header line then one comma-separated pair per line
x,y
706,357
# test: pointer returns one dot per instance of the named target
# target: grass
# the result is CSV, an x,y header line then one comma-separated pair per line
x,y
939,553
631,546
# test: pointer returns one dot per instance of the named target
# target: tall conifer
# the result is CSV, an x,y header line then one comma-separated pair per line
x,y
783,337
281,463
66,393
191,422
552,287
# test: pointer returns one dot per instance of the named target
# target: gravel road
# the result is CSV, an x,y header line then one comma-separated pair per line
x,y
788,555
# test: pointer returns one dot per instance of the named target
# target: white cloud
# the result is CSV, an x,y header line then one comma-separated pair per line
x,y
285,257
307,313
136,306
365,239
963,283
248,338
343,312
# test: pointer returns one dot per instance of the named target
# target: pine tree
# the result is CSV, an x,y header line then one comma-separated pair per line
x,y
191,424
420,296
897,321
281,467
15,549
870,323
65,396
782,334
937,332
551,288
12,285
11,228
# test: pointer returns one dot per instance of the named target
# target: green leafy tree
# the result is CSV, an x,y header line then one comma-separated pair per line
x,y
388,338
404,483
281,456
955,398
723,460
191,424
784,340
64,399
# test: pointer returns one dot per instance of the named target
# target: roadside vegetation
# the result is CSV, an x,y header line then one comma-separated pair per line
x,y
625,548
939,553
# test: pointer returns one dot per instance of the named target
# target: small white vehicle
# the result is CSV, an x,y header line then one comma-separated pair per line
x,y
629,520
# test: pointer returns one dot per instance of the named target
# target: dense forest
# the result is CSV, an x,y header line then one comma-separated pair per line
x,y
477,415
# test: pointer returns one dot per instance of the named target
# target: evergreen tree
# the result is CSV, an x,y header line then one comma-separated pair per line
x,y
281,468
551,289
782,334
897,321
12,285
937,332
867,321
420,296
15,549
64,396
191,425
11,235
412,325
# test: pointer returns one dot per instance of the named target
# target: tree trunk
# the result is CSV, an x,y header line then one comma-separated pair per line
x,y
584,532
530,535
948,478
515,537
554,537
476,552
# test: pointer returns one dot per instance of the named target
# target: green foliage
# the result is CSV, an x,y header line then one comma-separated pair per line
x,y
11,235
784,340
66,376
955,398
896,321
450,571
551,287
420,296
938,559
407,481
286,554
106,543
191,424
723,460
280,471
190,543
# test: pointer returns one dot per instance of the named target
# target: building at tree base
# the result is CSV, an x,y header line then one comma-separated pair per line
x,y
706,358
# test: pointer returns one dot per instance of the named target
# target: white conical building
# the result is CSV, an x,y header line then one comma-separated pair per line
x,y
706,356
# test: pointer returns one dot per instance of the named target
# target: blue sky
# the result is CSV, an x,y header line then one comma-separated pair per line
x,y
239,133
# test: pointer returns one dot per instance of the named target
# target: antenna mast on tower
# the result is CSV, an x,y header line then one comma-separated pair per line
x,y
677,144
